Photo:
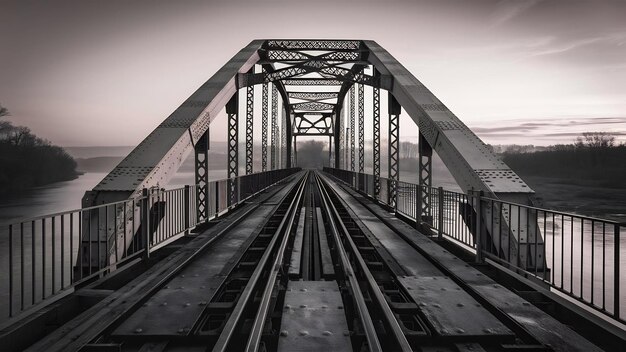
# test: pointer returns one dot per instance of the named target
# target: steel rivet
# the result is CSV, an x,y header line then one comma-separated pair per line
x,y
327,333
203,303
284,333
138,330
187,304
164,303
182,276
303,289
303,332
459,304
303,306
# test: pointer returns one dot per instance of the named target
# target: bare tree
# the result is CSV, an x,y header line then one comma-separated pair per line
x,y
595,140
3,111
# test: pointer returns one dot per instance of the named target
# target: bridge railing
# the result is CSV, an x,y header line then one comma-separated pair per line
x,y
46,256
580,256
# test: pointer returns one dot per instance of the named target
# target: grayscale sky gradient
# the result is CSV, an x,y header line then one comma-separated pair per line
x,y
520,71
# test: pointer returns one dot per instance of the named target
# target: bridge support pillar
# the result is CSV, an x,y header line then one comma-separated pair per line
x,y
394,143
351,109
233,148
264,120
361,128
202,177
249,127
338,137
274,131
376,141
425,182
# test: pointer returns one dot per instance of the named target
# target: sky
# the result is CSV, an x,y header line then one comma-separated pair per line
x,y
105,73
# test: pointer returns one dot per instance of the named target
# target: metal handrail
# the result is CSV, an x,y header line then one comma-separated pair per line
x,y
49,254
564,268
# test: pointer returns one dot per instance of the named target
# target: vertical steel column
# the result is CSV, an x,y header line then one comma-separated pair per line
x,y
351,128
202,177
295,151
376,146
264,128
394,141
274,126
361,128
283,139
249,127
330,149
340,147
233,147
425,182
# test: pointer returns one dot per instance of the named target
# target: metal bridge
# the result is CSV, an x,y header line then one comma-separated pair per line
x,y
285,259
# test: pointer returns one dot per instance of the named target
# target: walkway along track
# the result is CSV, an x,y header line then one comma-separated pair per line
x,y
312,266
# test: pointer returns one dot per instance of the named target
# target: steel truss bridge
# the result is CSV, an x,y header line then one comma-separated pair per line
x,y
285,259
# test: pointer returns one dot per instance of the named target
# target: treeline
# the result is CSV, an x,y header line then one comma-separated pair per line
x,y
28,161
595,158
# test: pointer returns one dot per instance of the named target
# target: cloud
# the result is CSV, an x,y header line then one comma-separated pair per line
x,y
506,10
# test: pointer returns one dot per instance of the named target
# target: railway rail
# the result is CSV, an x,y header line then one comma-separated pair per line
x,y
311,265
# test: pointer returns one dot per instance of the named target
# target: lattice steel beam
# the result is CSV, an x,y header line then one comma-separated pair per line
x,y
311,106
352,132
283,139
312,44
394,143
361,128
274,126
264,127
202,177
425,181
233,147
339,160
311,82
314,96
376,141
249,129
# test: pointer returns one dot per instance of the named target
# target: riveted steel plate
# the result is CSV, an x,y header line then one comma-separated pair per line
x,y
296,254
176,307
452,311
313,318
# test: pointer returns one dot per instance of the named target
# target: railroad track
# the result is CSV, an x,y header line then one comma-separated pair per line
x,y
307,267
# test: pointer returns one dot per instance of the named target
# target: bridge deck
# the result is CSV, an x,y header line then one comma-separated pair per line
x,y
395,235
311,265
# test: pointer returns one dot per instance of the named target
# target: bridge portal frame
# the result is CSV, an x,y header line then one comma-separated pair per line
x,y
472,163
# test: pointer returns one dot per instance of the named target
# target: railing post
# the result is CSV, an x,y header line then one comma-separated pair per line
x,y
616,271
145,221
478,223
418,206
186,198
440,205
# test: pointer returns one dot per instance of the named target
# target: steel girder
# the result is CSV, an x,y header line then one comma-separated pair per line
x,y
394,143
352,133
249,129
283,140
425,180
202,177
361,129
313,96
274,125
470,161
264,120
232,110
376,141
313,125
